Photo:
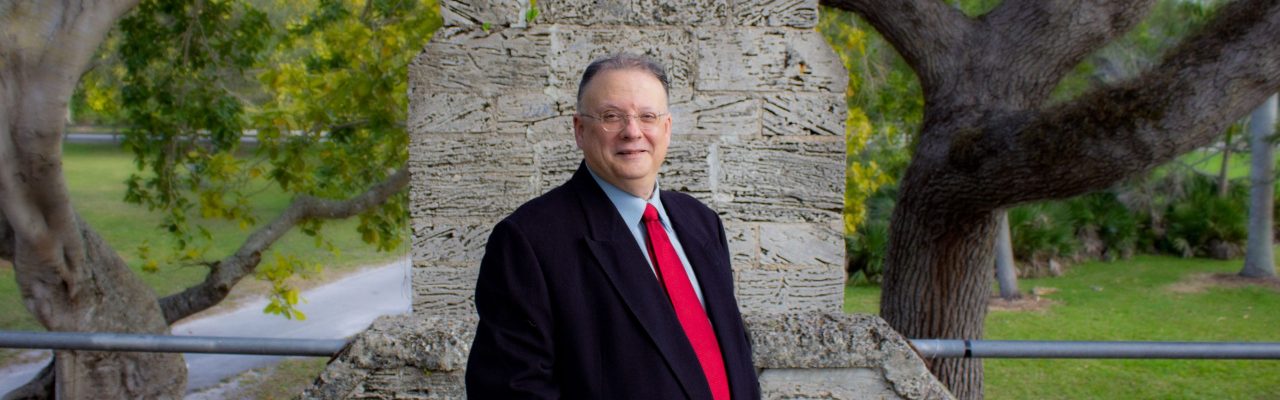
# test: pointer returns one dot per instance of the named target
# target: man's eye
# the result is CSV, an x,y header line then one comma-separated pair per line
x,y
611,117
648,118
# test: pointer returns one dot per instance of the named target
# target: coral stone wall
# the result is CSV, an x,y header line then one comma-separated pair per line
x,y
758,132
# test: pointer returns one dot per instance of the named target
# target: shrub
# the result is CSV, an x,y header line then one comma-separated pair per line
x,y
1203,223
865,250
1103,216
1042,231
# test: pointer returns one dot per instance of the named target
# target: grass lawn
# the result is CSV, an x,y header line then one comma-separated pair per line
x,y
96,175
1131,300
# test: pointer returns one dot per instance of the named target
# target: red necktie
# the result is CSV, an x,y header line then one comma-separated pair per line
x,y
692,317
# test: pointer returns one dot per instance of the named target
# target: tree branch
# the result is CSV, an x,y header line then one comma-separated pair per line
x,y
224,274
926,33
1041,41
1212,79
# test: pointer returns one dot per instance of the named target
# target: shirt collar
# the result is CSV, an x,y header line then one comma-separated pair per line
x,y
629,206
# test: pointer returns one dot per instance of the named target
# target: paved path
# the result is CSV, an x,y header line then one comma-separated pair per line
x,y
338,309
117,137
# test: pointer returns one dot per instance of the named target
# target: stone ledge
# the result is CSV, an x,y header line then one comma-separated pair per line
x,y
833,341
802,355
402,354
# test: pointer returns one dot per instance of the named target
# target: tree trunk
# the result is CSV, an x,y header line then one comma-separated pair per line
x,y
992,139
1224,181
117,302
1006,273
69,278
1259,260
944,292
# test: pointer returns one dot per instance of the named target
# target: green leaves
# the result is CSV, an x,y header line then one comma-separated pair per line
x,y
318,88
284,296
532,14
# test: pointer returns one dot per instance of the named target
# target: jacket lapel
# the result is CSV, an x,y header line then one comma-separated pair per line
x,y
703,247
623,263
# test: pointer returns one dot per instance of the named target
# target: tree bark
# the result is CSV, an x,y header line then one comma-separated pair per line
x,y
69,278
991,139
1224,177
1006,272
1259,260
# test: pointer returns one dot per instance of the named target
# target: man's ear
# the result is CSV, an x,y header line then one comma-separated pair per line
x,y
577,130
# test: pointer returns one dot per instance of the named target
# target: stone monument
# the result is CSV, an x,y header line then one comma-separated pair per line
x,y
757,101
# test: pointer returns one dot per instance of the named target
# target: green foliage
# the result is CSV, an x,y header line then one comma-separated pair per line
x,y
320,86
1102,214
883,91
866,252
1201,218
184,124
284,297
862,175
867,248
1042,231
532,14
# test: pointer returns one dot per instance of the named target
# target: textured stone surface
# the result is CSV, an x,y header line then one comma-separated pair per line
x,y
479,12
449,241
586,12
571,51
802,356
462,177
831,383
744,243
764,59
779,288
534,114
803,114
782,181
475,63
557,160
680,12
444,289
400,357
451,113
837,341
801,244
793,13
688,167
716,114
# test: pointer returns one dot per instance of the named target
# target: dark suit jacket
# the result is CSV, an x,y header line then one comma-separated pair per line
x,y
570,309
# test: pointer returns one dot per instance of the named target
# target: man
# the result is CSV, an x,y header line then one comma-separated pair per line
x,y
607,287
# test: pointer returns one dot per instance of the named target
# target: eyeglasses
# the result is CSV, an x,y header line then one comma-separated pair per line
x,y
613,121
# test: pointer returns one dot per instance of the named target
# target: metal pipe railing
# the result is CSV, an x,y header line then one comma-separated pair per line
x,y
956,348
170,343
927,348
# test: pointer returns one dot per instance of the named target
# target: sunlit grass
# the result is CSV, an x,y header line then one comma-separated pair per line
x,y
1130,300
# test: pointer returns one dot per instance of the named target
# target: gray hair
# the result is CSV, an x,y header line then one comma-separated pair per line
x,y
624,61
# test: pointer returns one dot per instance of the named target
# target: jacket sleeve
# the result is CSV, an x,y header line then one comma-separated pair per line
x,y
512,356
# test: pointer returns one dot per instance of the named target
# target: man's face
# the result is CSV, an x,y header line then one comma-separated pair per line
x,y
630,157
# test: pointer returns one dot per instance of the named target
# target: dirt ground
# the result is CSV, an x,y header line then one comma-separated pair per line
x,y
1198,283
1035,301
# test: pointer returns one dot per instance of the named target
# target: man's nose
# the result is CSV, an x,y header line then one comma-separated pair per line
x,y
631,129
